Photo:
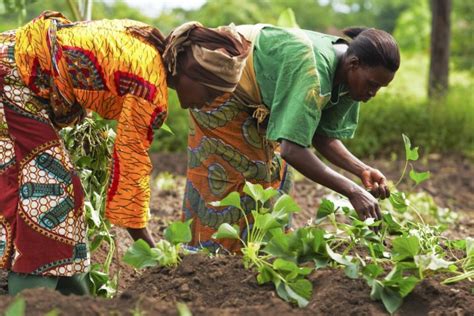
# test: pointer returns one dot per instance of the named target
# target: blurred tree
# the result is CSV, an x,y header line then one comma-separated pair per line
x,y
412,29
221,12
374,13
17,7
462,48
440,44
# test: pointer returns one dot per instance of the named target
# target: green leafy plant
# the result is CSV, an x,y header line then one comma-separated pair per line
x,y
167,252
414,254
90,146
286,275
16,308
467,264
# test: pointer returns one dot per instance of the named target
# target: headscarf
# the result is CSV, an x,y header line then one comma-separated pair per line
x,y
213,57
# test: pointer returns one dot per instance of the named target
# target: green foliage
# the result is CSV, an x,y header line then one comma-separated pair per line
x,y
446,128
179,232
412,30
268,223
462,21
16,308
166,253
90,147
140,255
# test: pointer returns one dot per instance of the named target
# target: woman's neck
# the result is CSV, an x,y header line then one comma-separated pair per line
x,y
340,76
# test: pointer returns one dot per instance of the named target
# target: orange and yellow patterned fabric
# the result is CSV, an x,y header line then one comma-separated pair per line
x,y
100,66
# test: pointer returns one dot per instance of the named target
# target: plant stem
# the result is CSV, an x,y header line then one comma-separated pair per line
x,y
403,173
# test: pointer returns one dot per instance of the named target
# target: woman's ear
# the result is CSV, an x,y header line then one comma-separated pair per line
x,y
354,62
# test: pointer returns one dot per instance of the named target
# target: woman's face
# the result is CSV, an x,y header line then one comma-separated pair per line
x,y
364,81
192,94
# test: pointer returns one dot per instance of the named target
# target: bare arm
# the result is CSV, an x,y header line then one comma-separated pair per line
x,y
306,162
335,151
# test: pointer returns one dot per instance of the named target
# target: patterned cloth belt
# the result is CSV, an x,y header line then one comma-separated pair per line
x,y
247,91
64,111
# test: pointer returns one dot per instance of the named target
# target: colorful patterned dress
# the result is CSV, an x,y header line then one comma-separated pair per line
x,y
227,146
51,72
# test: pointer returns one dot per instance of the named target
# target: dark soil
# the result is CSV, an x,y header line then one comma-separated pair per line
x,y
221,286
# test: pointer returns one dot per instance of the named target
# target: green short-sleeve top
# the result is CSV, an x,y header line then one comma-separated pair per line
x,y
295,70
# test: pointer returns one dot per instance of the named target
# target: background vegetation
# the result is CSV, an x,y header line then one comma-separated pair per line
x,y
444,125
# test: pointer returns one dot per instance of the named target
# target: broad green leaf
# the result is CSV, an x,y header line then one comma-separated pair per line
x,y
140,255
405,248
321,263
288,266
411,153
286,204
17,308
326,208
278,246
407,284
319,243
391,300
376,292
399,201
300,291
265,222
281,289
268,193
166,128
284,265
255,191
227,231
233,199
372,271
265,274
392,225
287,19
419,177
352,271
179,232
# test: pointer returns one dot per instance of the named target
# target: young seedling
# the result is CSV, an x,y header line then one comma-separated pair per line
x,y
167,252
287,277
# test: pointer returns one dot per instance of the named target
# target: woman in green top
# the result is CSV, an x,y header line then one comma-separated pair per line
x,y
299,88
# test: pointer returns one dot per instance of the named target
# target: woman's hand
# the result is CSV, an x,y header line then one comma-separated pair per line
x,y
365,205
142,233
375,182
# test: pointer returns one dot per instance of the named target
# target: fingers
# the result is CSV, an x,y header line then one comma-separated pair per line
x,y
380,190
383,189
373,212
375,191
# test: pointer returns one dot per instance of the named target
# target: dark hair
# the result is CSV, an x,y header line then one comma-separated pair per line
x,y
373,47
